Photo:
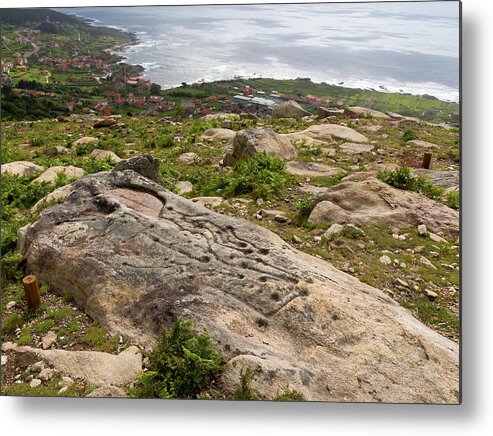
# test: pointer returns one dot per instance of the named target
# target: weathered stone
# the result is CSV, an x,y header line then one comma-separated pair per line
x,y
357,110
10,305
385,260
107,392
4,360
436,238
84,140
35,382
65,381
430,294
426,262
251,141
184,187
46,374
49,339
97,368
105,154
50,175
135,270
354,148
20,168
38,366
219,135
334,229
423,144
323,112
145,165
105,122
373,202
188,158
219,116
311,169
55,151
446,179
422,230
57,195
209,202
289,109
327,132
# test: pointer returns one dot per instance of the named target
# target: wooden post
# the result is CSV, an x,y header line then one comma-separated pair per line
x,y
31,289
427,161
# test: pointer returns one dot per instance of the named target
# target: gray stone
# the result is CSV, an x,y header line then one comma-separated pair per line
x,y
423,260
105,154
188,158
46,374
145,165
85,140
50,175
135,269
334,229
55,151
49,339
422,230
35,382
219,135
251,141
355,148
289,109
385,260
184,187
311,169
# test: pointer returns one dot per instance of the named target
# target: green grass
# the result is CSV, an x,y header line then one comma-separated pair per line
x,y
97,338
43,326
12,322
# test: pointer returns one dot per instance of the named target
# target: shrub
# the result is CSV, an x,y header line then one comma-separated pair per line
x,y
244,391
409,135
289,395
163,141
305,207
12,322
97,338
260,176
181,366
453,200
402,178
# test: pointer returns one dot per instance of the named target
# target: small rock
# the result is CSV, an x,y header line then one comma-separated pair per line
x,y
46,374
4,359
38,366
434,237
334,229
10,305
260,201
402,283
385,260
426,262
395,235
419,249
65,382
402,237
431,294
188,158
403,265
280,219
422,230
35,382
296,239
63,390
434,254
49,339
184,187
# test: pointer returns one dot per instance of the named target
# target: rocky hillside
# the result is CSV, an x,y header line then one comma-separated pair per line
x,y
321,260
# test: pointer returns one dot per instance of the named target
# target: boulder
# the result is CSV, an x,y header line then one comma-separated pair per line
x,y
219,116
105,122
311,169
55,151
449,180
219,135
184,187
357,110
58,195
267,306
50,174
188,158
85,140
373,202
327,132
424,144
20,168
323,112
354,148
144,164
97,368
105,154
289,109
251,141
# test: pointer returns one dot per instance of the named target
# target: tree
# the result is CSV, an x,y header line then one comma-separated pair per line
x,y
155,89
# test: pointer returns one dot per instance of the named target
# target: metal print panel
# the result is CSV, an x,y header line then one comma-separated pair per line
x,y
235,202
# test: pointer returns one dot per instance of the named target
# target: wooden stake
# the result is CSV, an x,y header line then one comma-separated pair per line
x,y
31,289
427,161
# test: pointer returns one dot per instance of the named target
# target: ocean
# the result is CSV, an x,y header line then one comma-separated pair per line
x,y
399,47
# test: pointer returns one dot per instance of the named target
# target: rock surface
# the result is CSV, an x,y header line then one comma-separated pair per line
x,y
357,110
85,140
449,180
136,265
107,392
251,141
354,148
311,169
220,135
50,175
20,168
105,154
97,368
372,201
289,109
327,132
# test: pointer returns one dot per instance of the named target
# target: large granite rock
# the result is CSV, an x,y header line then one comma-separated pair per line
x,y
357,110
136,256
251,141
50,175
219,135
327,133
371,201
289,109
